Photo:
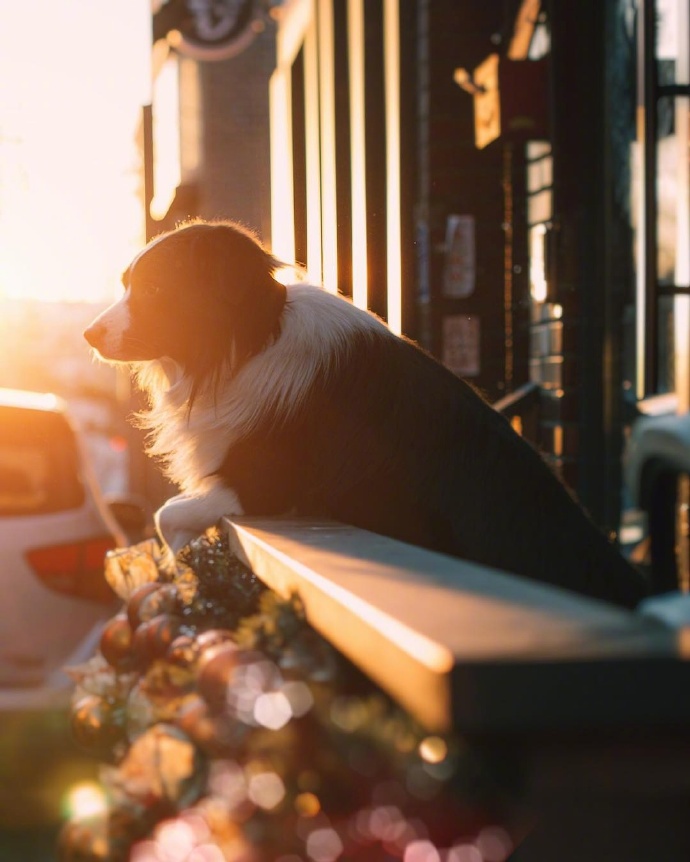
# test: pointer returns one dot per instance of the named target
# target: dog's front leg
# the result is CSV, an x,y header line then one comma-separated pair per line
x,y
186,516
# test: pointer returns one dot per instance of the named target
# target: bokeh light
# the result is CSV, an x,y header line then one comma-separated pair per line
x,y
272,710
176,840
464,853
307,804
266,789
227,781
207,853
324,845
494,844
433,749
84,800
421,851
299,696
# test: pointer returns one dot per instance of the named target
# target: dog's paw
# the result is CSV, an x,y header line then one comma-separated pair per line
x,y
185,517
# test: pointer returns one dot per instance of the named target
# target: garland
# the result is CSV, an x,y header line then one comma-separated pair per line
x,y
230,731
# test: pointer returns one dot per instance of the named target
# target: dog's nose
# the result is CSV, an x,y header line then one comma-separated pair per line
x,y
94,334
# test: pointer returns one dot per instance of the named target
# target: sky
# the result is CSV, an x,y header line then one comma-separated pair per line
x,y
73,77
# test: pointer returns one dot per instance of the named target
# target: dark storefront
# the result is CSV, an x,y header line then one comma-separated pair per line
x,y
492,178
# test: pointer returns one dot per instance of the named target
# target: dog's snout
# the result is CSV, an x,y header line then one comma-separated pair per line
x,y
94,334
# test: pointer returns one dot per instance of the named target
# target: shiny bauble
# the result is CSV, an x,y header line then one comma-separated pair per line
x,y
116,642
213,637
164,600
153,637
215,668
135,600
182,651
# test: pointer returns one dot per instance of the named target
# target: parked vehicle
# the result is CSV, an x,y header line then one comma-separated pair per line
x,y
55,529
657,473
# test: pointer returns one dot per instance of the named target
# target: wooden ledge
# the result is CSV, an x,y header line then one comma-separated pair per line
x,y
468,648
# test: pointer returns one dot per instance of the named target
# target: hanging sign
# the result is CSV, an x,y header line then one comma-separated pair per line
x,y
460,345
208,30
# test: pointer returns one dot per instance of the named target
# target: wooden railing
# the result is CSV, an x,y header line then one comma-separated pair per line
x,y
470,649
584,709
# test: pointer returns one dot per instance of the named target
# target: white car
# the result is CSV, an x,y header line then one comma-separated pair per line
x,y
55,529
657,459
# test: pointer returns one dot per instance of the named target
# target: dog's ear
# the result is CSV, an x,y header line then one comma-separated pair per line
x,y
231,262
236,268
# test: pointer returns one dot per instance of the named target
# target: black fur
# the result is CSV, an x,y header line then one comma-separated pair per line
x,y
394,443
367,429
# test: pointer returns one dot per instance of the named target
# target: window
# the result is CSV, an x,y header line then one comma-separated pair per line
x,y
39,467
661,213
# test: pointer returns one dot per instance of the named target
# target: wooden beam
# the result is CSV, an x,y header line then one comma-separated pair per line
x,y
467,648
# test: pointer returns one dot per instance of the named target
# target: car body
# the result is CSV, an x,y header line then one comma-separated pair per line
x,y
657,462
55,529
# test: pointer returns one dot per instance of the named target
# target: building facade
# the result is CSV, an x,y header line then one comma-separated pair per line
x,y
507,183
504,181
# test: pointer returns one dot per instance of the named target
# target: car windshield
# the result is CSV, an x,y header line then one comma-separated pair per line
x,y
39,465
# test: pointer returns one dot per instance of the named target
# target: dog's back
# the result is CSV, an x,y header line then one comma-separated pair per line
x,y
392,442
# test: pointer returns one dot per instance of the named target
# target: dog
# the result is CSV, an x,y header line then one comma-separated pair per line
x,y
267,399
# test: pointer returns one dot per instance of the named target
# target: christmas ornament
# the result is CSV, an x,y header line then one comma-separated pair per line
x,y
232,731
116,642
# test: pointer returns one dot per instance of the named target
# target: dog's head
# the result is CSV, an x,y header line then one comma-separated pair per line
x,y
202,295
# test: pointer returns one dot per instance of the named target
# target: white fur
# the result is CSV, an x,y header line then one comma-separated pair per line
x,y
315,328
184,517
116,319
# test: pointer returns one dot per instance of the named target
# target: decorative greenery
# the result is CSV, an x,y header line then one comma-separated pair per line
x,y
229,730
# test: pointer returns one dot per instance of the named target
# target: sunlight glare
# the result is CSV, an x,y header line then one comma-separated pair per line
x,y
282,191
69,209
360,290
393,183
166,138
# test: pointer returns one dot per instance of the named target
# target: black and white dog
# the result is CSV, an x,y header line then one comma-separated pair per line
x,y
266,399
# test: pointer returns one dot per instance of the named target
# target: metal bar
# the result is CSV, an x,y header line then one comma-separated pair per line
x,y
674,90
647,298
673,290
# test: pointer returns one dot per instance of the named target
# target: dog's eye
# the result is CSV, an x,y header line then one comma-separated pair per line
x,y
146,288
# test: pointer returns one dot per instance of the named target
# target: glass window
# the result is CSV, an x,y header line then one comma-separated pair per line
x,y
39,466
671,41
661,199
